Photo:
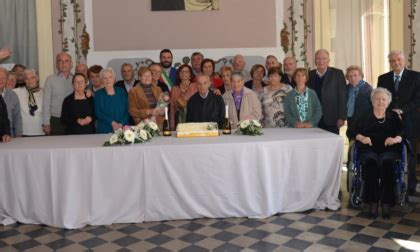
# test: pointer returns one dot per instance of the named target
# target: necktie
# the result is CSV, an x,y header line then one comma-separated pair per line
x,y
397,82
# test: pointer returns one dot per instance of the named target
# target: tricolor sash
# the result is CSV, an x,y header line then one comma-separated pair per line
x,y
167,80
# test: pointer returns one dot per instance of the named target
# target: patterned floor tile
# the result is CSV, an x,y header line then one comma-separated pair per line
x,y
377,232
331,241
298,244
244,241
365,239
310,237
387,244
264,246
291,232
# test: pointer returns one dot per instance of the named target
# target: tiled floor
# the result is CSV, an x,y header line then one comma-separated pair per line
x,y
345,230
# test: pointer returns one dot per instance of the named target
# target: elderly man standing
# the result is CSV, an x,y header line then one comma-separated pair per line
x,y
239,66
330,86
196,59
12,104
169,72
404,85
289,67
57,87
128,81
205,106
4,122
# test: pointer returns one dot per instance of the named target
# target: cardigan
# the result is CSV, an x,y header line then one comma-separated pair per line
x,y
250,106
314,108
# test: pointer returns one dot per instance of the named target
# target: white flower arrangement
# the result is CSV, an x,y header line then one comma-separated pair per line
x,y
142,132
249,127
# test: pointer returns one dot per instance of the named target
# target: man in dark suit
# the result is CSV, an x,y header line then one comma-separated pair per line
x,y
330,86
128,81
404,85
4,122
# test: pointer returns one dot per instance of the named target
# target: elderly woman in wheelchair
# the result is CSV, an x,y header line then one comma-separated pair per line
x,y
378,135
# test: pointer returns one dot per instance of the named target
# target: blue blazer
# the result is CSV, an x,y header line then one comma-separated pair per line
x,y
362,102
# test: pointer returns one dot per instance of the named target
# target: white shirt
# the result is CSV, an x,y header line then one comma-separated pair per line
x,y
31,125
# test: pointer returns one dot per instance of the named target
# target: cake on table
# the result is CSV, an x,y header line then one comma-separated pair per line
x,y
203,129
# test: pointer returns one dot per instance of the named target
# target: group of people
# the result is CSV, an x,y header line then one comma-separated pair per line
x,y
278,95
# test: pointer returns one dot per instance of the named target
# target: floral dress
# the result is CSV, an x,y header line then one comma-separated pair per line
x,y
272,104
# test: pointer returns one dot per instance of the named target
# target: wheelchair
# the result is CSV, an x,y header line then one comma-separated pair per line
x,y
355,181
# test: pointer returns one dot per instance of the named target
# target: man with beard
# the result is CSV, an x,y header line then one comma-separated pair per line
x,y
289,67
169,72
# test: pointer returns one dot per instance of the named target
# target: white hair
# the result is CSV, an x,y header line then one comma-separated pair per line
x,y
381,90
398,52
106,70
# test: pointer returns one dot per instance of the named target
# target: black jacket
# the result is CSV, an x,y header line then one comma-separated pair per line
x,y
4,119
210,109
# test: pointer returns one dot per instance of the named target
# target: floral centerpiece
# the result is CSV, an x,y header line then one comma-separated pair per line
x,y
249,127
142,132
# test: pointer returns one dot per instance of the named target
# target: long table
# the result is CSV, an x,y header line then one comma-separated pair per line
x,y
72,181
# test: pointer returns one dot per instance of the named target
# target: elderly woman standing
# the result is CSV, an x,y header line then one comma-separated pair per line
x,y
180,94
208,68
358,93
242,102
273,100
111,106
379,133
257,84
302,106
143,98
78,113
30,100
225,74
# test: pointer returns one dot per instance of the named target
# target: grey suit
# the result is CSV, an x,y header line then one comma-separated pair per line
x,y
332,98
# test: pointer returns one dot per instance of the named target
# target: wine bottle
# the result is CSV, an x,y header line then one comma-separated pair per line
x,y
166,127
226,123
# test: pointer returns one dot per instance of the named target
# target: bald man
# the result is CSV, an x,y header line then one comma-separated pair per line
x,y
329,84
57,87
239,64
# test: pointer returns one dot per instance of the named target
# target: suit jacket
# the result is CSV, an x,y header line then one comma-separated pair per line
x,y
4,119
172,77
120,84
333,98
138,104
362,102
250,106
407,96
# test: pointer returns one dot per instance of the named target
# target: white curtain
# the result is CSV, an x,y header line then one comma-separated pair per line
x,y
359,35
18,31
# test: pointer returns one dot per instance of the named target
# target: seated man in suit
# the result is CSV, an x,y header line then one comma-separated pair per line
x,y
128,81
404,85
205,106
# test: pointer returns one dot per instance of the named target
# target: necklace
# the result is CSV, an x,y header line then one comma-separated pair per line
x,y
383,120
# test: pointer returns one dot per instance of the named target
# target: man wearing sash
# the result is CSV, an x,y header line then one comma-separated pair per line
x,y
169,72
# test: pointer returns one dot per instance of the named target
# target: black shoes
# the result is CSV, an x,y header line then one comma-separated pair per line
x,y
373,210
386,210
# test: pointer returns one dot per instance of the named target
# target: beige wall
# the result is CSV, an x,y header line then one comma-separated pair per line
x,y
128,25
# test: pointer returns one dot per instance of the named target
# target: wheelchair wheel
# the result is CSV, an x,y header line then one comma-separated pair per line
x,y
355,199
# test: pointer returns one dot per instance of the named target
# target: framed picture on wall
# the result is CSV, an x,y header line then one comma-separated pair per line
x,y
188,5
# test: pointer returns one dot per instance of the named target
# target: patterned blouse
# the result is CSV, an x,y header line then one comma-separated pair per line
x,y
273,107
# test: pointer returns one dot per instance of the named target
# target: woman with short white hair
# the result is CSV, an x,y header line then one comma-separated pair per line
x,y
111,104
30,101
378,134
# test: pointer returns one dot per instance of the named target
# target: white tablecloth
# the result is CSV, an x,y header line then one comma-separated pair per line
x,y
71,181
